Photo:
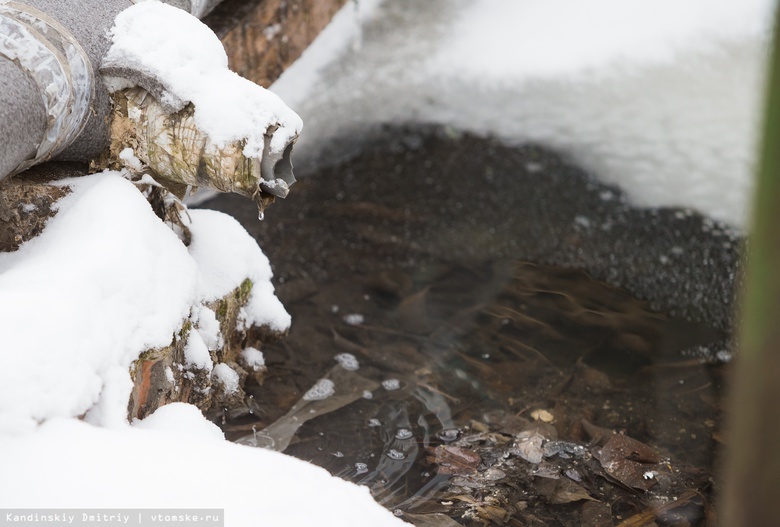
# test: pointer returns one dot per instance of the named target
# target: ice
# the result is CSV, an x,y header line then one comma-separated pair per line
x,y
403,433
658,97
347,361
322,389
395,454
391,384
354,319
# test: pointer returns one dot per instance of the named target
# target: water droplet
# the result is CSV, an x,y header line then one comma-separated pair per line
x,y
395,454
448,434
367,395
403,433
261,216
361,468
398,513
374,422
391,384
338,454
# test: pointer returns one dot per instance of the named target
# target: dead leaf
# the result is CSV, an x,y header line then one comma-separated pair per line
x,y
451,459
628,461
563,490
597,434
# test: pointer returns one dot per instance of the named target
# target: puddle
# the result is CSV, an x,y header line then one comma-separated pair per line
x,y
457,349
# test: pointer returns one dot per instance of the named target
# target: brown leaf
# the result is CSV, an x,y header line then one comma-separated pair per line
x,y
597,434
628,461
563,490
455,460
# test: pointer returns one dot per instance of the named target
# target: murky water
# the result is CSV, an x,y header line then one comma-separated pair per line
x,y
430,360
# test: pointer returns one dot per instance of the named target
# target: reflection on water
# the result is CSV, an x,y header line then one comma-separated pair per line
x,y
429,361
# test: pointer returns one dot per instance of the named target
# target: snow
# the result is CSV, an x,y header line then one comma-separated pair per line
x,y
215,235
661,98
175,459
105,281
196,353
208,327
175,49
253,358
227,376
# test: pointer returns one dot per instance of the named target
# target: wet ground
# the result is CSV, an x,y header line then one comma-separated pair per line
x,y
484,335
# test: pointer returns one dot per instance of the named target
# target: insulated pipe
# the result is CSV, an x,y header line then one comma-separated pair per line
x,y
53,103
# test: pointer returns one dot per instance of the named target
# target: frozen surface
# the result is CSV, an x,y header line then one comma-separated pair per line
x,y
175,50
660,97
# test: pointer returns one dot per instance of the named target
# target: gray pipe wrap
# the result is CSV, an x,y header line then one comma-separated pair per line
x,y
22,116
50,55
73,32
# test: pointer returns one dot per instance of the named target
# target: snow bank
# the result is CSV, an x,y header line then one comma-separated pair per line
x,y
659,97
104,281
176,459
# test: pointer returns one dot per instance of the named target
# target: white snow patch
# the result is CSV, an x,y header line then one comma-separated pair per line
x,y
178,50
130,160
196,353
253,358
182,420
215,235
227,376
176,440
208,327
105,281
